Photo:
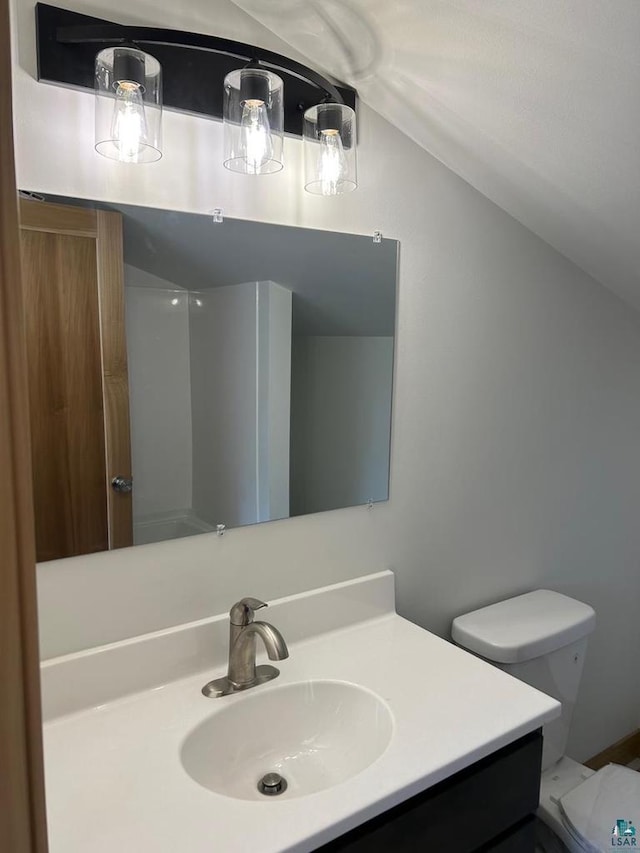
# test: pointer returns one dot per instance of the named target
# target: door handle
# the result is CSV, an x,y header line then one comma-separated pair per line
x,y
122,485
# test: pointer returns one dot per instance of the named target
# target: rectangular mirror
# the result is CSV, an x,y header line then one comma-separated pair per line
x,y
186,373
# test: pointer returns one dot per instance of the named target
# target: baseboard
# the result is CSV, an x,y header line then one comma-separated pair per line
x,y
622,752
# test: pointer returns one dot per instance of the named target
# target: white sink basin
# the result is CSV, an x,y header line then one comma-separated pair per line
x,y
315,734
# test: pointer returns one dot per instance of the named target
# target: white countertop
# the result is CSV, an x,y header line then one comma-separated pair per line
x,y
115,781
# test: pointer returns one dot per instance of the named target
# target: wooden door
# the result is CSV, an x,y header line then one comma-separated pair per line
x,y
22,813
72,270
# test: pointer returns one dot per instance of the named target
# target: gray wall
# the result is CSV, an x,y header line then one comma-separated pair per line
x,y
157,320
340,421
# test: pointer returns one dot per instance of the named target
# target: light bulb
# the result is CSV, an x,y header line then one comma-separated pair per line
x,y
256,146
333,163
129,123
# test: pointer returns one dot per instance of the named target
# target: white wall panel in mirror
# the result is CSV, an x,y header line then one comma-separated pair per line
x,y
260,365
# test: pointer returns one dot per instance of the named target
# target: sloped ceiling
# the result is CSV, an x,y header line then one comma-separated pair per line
x,y
343,284
536,103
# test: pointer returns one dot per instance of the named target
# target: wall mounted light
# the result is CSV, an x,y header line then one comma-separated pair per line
x,y
253,116
260,95
330,149
128,85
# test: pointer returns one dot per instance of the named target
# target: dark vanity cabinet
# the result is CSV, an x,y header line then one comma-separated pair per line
x,y
486,808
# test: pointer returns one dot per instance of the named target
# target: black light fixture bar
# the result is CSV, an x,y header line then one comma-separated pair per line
x,y
193,64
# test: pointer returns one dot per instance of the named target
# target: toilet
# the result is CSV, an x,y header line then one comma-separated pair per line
x,y
541,638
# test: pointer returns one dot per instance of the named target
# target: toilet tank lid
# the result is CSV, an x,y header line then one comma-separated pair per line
x,y
524,627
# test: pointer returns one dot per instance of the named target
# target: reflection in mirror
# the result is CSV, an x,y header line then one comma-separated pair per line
x,y
236,372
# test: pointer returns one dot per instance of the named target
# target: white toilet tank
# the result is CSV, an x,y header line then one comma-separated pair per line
x,y
540,638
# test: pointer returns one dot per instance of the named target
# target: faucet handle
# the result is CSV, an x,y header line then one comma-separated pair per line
x,y
242,611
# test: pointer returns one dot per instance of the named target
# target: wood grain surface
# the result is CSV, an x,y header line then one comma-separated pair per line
x,y
79,396
22,807
60,285
115,374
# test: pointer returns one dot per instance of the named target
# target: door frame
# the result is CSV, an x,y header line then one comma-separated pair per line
x,y
22,806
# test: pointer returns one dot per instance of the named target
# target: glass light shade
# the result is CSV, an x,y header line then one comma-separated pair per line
x,y
330,164
128,86
253,115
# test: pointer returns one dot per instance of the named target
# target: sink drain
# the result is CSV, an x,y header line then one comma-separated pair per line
x,y
272,784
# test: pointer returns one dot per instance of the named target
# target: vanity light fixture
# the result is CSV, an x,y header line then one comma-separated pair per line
x,y
128,85
253,115
330,149
268,96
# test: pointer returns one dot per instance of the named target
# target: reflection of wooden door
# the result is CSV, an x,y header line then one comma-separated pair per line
x,y
72,271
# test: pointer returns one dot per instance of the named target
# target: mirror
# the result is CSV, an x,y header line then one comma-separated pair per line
x,y
200,373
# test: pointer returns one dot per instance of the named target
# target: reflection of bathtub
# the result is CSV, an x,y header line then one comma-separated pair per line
x,y
168,526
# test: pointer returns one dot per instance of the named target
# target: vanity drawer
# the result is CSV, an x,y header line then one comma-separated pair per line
x,y
482,808
519,839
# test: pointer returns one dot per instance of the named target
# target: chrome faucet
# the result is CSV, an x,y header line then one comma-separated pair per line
x,y
242,671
